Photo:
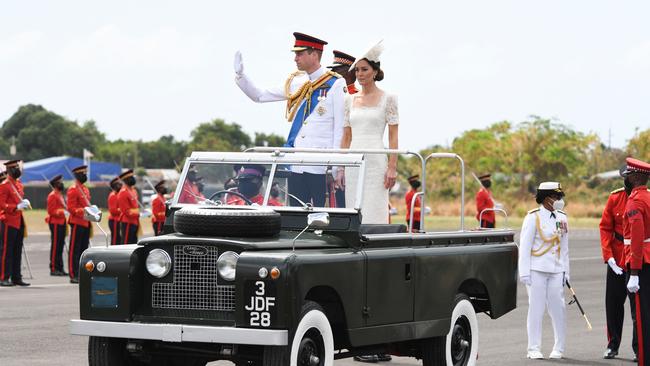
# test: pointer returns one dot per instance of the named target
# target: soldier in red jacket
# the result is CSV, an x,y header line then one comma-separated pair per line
x,y
56,220
12,226
114,212
637,235
158,208
612,226
78,200
415,183
127,201
484,200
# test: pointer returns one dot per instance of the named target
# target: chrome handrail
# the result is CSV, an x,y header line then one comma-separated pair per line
x,y
278,150
462,184
505,214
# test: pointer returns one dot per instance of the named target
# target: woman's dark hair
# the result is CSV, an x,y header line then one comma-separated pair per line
x,y
541,195
376,66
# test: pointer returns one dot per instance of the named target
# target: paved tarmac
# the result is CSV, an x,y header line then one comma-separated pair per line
x,y
34,320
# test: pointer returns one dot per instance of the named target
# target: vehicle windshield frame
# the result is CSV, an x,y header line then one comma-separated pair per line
x,y
273,160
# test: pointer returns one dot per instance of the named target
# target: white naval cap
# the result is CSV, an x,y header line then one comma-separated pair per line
x,y
550,186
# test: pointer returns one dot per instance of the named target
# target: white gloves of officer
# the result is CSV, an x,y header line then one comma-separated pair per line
x,y
238,64
145,213
612,264
23,204
633,284
525,280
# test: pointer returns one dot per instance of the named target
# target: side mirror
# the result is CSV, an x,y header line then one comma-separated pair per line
x,y
92,213
318,220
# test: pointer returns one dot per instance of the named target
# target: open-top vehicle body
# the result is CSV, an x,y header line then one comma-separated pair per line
x,y
268,280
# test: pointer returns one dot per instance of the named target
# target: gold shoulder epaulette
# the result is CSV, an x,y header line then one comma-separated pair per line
x,y
287,84
334,74
617,190
533,210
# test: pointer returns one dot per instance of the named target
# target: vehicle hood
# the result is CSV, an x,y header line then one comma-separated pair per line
x,y
284,240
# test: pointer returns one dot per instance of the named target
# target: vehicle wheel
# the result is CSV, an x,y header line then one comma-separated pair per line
x,y
240,222
103,351
312,345
460,346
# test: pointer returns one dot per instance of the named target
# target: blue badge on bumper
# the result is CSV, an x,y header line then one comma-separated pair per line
x,y
103,292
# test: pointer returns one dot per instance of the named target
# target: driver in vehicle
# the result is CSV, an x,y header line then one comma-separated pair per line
x,y
190,191
249,183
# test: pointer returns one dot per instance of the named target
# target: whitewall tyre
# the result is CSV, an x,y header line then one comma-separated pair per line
x,y
461,344
313,340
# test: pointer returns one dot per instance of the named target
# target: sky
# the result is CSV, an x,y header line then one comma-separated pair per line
x,y
142,69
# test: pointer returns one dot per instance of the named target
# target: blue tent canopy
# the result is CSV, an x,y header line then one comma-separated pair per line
x,y
39,170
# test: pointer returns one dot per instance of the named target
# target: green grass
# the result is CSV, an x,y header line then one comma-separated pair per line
x,y
36,222
453,223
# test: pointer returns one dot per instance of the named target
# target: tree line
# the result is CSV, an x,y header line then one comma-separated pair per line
x,y
519,155
38,133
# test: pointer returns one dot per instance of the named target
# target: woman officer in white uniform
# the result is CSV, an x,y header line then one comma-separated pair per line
x,y
544,267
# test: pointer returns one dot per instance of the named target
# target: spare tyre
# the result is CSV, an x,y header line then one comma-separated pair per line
x,y
236,222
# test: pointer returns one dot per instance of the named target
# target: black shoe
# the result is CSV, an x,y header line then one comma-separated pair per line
x,y
609,354
54,273
74,280
60,273
6,283
384,357
367,358
21,283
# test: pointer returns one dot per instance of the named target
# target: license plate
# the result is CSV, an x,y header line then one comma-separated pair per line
x,y
103,292
260,303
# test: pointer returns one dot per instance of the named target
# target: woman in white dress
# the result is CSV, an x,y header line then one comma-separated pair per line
x,y
367,114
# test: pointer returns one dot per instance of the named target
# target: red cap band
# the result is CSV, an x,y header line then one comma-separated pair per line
x,y
314,45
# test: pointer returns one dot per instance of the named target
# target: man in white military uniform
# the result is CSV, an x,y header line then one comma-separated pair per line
x,y
544,267
315,106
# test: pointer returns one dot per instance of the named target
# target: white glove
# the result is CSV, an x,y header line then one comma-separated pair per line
x,y
23,204
66,213
633,284
145,213
525,280
612,264
238,64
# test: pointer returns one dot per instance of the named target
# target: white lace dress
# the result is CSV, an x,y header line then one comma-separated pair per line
x,y
368,125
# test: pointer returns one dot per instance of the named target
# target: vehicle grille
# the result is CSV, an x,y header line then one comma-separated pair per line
x,y
194,285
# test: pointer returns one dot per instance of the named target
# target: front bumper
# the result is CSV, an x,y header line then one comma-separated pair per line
x,y
180,333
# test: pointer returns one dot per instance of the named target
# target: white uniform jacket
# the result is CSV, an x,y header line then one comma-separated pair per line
x,y
537,255
323,128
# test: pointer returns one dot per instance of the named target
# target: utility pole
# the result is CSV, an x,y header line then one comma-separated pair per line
x,y
12,148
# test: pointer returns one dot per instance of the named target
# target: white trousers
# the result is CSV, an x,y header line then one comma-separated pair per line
x,y
546,292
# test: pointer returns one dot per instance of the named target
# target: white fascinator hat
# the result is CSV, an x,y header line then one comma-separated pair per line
x,y
371,55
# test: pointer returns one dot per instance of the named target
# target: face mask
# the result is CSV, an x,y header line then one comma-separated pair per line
x,y
81,177
248,188
191,176
200,186
162,191
558,204
130,181
15,173
59,186
487,183
628,185
116,187
416,184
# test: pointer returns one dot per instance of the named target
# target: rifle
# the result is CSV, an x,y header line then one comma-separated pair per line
x,y
575,300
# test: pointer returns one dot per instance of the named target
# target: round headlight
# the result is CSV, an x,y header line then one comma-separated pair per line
x,y
158,263
227,265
